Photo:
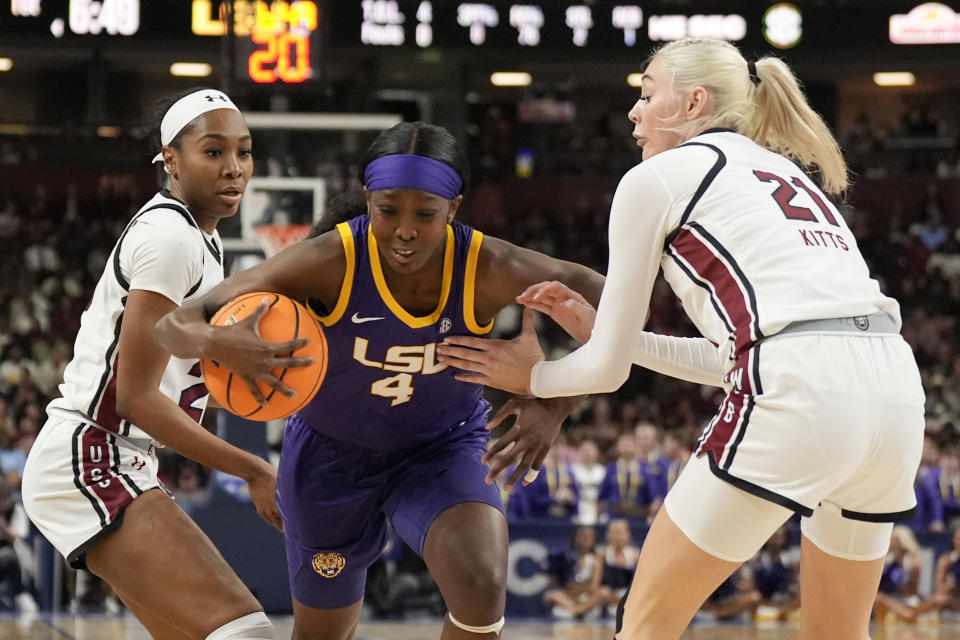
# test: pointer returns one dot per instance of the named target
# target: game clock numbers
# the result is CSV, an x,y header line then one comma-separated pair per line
x,y
114,17
276,40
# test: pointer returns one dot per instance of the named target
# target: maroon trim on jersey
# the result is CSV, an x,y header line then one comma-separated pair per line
x,y
103,408
107,416
95,449
98,468
733,415
710,267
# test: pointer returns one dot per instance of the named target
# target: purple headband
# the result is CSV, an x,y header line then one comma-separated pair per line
x,y
410,171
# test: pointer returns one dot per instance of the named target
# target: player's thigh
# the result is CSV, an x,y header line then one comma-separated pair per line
x,y
162,560
725,521
838,593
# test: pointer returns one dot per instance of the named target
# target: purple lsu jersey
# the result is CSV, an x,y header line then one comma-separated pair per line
x,y
384,388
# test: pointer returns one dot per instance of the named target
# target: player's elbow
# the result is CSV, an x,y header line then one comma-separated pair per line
x,y
608,378
128,402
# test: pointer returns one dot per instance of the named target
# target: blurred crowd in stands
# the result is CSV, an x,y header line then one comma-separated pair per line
x,y
618,454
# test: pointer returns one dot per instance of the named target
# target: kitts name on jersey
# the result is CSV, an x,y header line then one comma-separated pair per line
x,y
404,359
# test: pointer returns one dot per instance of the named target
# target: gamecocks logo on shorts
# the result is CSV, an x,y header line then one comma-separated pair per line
x,y
329,565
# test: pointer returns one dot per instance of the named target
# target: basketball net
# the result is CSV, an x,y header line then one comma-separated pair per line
x,y
273,238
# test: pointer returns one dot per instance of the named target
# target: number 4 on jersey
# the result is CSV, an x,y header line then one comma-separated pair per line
x,y
784,193
397,387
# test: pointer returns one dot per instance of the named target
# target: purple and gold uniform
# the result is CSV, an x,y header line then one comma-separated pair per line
x,y
391,433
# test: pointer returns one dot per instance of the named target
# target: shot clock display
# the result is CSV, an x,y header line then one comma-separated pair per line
x,y
277,41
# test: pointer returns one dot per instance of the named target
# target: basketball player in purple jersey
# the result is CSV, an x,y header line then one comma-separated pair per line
x,y
823,413
391,433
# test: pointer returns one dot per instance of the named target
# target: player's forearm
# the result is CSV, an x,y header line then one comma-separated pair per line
x,y
692,359
184,332
157,414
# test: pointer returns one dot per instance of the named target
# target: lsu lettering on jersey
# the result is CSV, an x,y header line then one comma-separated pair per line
x,y
163,250
760,248
384,388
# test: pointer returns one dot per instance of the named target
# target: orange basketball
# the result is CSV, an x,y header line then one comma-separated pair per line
x,y
285,320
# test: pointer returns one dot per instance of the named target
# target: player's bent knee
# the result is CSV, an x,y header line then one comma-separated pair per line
x,y
254,626
490,628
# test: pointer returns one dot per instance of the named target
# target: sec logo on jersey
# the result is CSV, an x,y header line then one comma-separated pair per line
x,y
329,565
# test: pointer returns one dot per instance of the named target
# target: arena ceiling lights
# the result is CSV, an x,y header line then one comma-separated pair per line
x,y
191,69
6,64
635,80
894,79
510,79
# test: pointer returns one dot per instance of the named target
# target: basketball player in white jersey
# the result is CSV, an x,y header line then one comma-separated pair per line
x,y
824,408
90,483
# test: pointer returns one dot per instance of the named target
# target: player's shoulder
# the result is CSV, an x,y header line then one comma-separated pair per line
x,y
164,224
165,211
674,172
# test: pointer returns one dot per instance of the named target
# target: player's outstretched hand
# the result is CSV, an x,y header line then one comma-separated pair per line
x,y
568,308
240,348
263,491
527,441
502,364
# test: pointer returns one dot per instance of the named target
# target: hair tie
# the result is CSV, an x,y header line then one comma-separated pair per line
x,y
752,71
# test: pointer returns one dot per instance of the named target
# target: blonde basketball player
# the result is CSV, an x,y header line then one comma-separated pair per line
x,y
824,408
90,483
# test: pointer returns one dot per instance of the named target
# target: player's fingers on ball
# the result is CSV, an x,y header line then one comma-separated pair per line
x,y
276,383
255,390
293,345
293,363
254,317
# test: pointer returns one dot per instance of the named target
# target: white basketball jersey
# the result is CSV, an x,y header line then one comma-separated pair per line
x,y
755,244
162,249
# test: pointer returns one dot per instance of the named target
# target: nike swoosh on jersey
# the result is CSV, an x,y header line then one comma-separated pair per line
x,y
356,319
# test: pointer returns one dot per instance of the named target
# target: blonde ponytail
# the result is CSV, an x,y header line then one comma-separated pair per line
x,y
785,123
773,113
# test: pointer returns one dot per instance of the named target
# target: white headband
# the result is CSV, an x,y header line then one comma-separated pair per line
x,y
186,109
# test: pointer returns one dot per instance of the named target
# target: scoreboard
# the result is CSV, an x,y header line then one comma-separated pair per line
x,y
612,26
282,41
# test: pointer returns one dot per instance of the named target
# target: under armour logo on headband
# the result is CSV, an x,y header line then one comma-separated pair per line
x,y
186,109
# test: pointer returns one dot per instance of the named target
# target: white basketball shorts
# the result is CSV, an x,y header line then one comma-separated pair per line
x,y
79,479
826,425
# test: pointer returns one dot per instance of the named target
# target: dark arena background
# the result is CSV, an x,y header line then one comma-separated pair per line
x,y
538,93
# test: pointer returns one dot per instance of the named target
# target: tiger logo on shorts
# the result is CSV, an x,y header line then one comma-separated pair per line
x,y
329,565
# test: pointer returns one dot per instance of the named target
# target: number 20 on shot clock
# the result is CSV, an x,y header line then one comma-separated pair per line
x,y
279,40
